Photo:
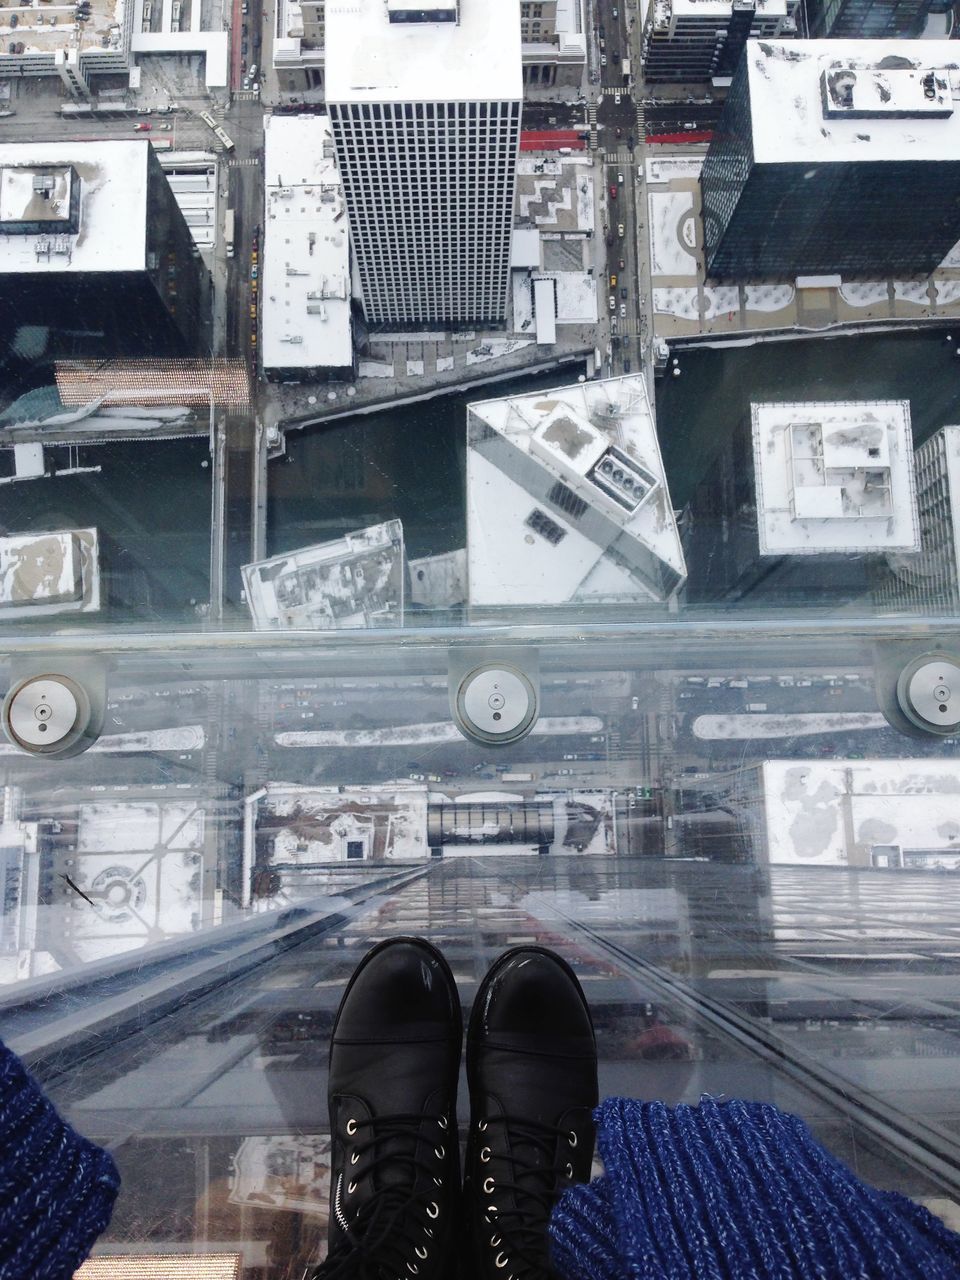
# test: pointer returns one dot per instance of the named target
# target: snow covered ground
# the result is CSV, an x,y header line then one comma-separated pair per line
x,y
864,293
681,303
946,291
375,369
760,725
915,291
496,348
670,213
720,300
666,168
415,734
414,368
768,297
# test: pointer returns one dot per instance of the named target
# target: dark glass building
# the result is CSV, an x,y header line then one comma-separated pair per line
x,y
867,19
835,157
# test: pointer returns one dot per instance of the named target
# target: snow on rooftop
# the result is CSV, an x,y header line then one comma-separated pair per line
x,y
353,581
834,477
46,573
111,232
370,59
842,100
305,296
593,447
851,812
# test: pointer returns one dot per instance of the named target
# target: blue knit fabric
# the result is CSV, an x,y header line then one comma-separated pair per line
x,y
735,1191
57,1190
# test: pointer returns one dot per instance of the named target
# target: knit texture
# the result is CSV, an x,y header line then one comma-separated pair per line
x,y
57,1190
735,1191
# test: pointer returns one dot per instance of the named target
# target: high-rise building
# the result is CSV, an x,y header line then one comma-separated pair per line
x,y
95,254
930,581
808,191
425,108
867,19
554,39
567,499
691,40
802,502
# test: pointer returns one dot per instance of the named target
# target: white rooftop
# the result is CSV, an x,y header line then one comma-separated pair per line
x,y
834,477
113,205
854,100
599,441
305,292
370,59
843,812
47,573
353,581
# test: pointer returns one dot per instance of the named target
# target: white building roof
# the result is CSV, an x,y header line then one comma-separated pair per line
x,y
370,59
47,573
569,432
834,477
545,310
305,292
112,177
837,812
854,100
354,581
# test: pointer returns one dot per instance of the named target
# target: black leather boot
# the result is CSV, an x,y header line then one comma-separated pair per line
x,y
395,1170
532,1071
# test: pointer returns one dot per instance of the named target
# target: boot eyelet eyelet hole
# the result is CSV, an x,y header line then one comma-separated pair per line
x,y
354,1158
419,1251
442,1122
438,1182
351,1127
413,1268
573,1138
488,1186
433,1210
498,1264
482,1126
485,1155
428,1231
351,1188
439,1152
492,1208
494,1242
568,1171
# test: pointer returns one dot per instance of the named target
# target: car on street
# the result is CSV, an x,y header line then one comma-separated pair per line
x,y
616,102
253,71
613,282
621,264
613,194
14,20
253,311
417,777
623,291
616,13
623,311
602,33
626,364
613,303
631,142
253,276
603,56
142,127
620,179
620,231
166,127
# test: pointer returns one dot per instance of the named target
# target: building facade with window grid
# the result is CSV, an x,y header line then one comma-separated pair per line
x,y
426,124
931,580
867,19
693,40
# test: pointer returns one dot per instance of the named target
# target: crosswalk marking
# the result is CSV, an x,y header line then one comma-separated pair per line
x,y
619,157
592,121
251,160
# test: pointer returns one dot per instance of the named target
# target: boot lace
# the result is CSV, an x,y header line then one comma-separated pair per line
x,y
391,1236
518,1233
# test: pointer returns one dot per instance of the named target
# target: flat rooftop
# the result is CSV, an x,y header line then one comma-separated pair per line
x,y
112,216
843,812
48,27
305,298
854,100
599,441
834,476
371,59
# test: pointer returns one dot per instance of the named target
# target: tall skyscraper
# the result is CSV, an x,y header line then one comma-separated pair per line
x,y
425,107
808,190
690,40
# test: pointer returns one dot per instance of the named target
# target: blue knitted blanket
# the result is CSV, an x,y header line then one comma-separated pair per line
x,y
735,1191
56,1189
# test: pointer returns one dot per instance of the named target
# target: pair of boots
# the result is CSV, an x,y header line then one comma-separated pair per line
x,y
397,1206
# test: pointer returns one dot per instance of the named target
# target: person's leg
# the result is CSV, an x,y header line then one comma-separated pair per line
x,y
532,1072
395,1167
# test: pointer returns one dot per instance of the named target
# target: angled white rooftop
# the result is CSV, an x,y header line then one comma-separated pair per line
x,y
38,182
305,294
580,475
887,813
834,477
854,100
370,58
